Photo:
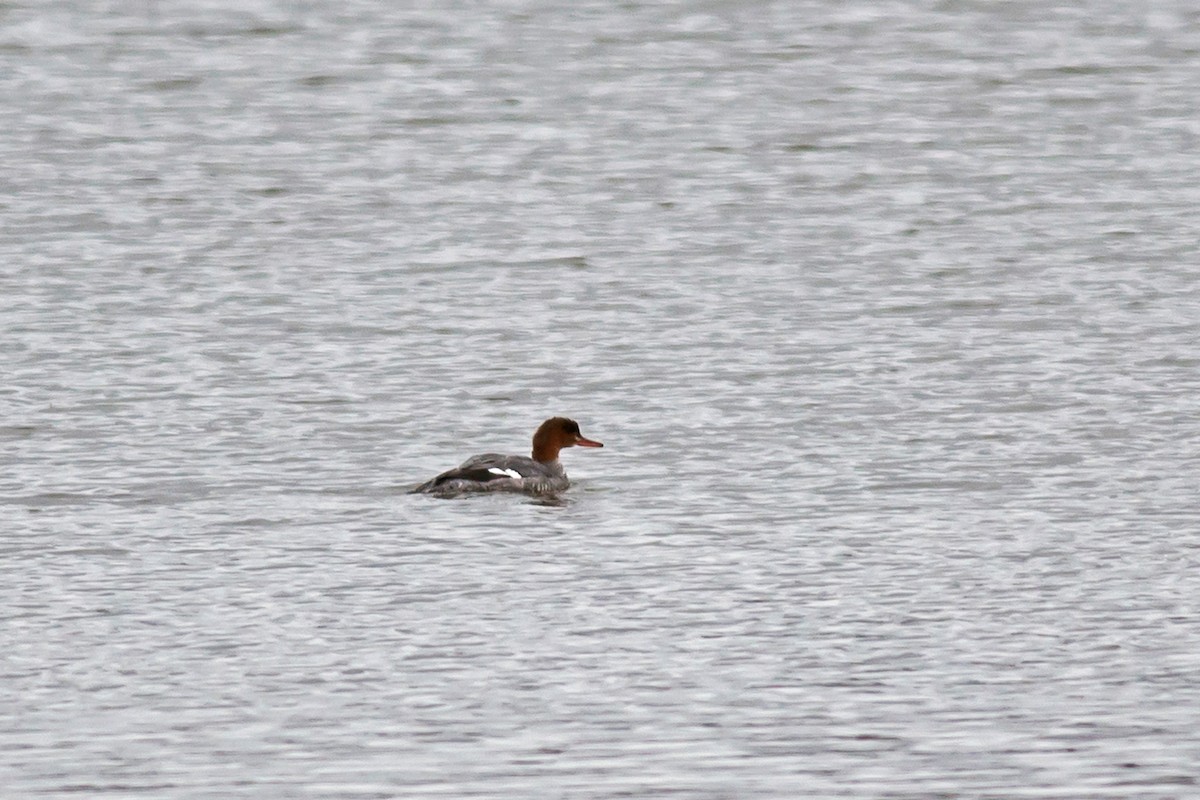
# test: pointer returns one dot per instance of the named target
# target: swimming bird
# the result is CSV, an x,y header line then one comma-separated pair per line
x,y
493,472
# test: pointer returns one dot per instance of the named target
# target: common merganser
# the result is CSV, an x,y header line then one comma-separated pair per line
x,y
492,472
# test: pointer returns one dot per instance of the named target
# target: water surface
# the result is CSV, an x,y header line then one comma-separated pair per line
x,y
886,316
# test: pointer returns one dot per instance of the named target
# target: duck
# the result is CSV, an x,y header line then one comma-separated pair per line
x,y
538,474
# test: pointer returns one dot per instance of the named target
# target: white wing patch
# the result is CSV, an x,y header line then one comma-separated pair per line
x,y
512,473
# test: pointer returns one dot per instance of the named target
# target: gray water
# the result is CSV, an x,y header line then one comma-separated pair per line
x,y
886,312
